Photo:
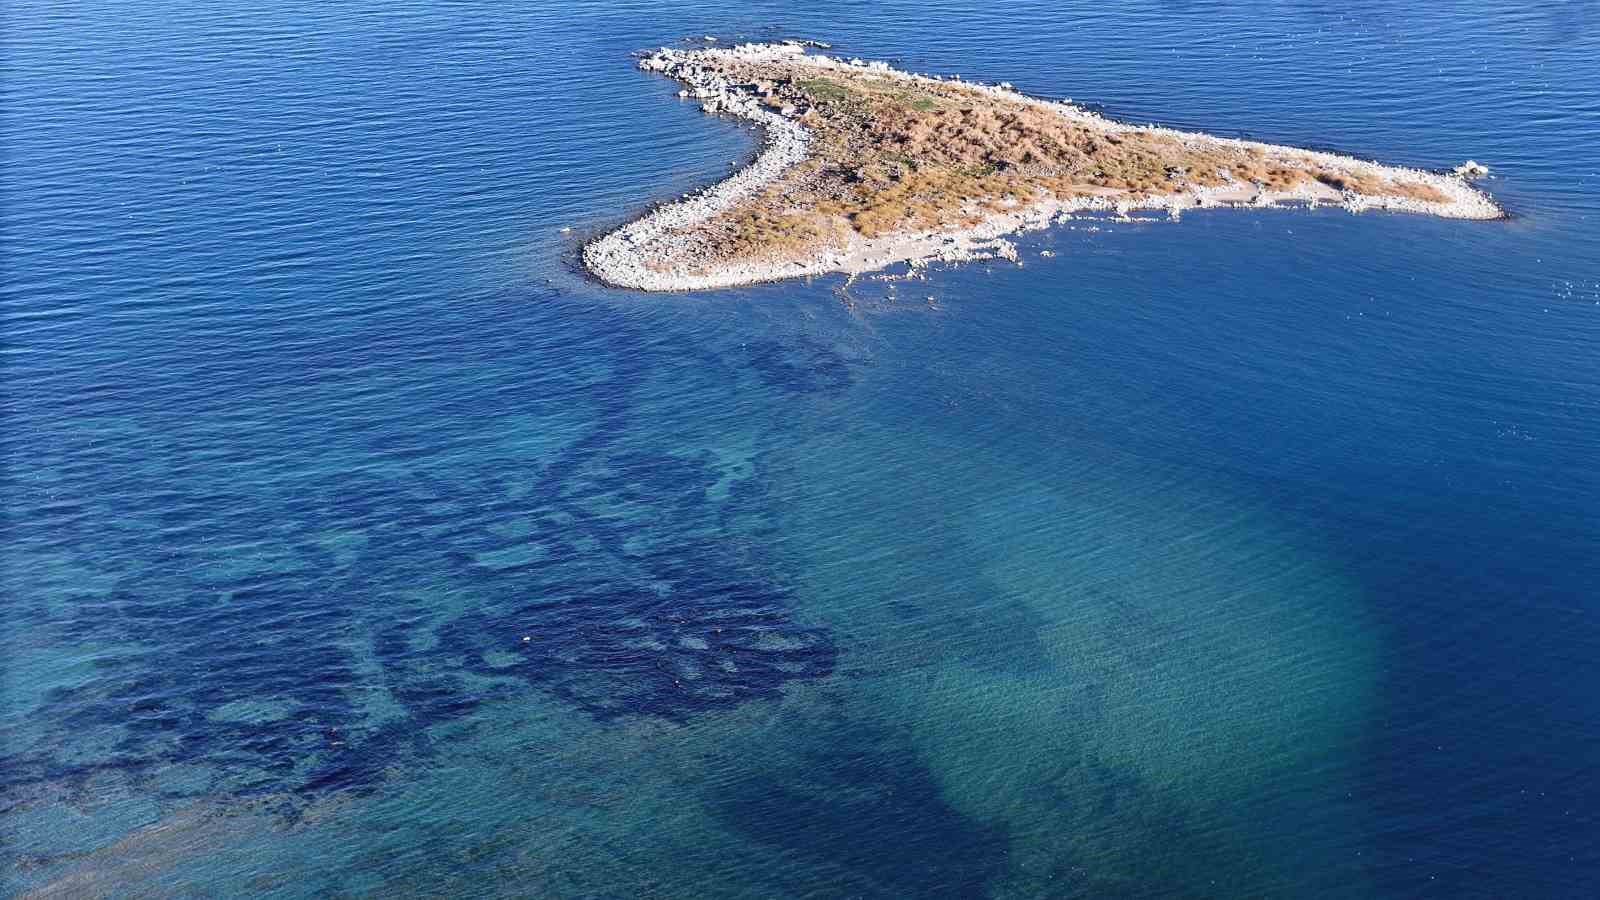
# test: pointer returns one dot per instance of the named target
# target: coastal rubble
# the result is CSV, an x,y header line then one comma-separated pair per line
x,y
624,257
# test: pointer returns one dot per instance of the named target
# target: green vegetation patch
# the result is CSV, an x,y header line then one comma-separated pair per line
x,y
823,89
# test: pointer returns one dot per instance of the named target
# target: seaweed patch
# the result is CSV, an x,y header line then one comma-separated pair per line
x,y
308,636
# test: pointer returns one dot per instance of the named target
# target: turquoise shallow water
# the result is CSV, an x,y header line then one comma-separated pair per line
x,y
356,545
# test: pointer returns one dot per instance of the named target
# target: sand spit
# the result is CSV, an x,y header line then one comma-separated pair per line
x,y
678,246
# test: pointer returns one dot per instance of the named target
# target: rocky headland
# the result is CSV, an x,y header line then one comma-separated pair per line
x,y
865,166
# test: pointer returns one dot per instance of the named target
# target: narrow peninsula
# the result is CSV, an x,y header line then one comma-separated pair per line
x,y
865,166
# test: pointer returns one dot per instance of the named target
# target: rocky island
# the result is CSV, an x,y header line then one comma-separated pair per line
x,y
865,166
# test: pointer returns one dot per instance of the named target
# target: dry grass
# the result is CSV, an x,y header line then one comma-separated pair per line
x,y
891,156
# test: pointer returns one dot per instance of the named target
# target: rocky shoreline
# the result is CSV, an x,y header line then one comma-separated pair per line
x,y
624,257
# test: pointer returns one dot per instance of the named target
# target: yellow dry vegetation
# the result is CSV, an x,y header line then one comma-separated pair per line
x,y
892,156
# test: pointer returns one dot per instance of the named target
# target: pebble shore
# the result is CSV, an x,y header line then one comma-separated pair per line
x,y
622,257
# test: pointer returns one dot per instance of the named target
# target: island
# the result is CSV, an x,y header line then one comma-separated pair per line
x,y
864,166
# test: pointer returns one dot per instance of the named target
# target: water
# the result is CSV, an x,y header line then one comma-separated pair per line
x,y
356,545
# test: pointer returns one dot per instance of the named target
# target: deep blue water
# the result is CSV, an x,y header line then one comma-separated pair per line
x,y
356,545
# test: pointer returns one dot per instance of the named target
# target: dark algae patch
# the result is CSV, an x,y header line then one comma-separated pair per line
x,y
861,805
697,641
308,635
801,366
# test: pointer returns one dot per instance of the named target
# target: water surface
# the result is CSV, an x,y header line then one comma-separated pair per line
x,y
357,545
